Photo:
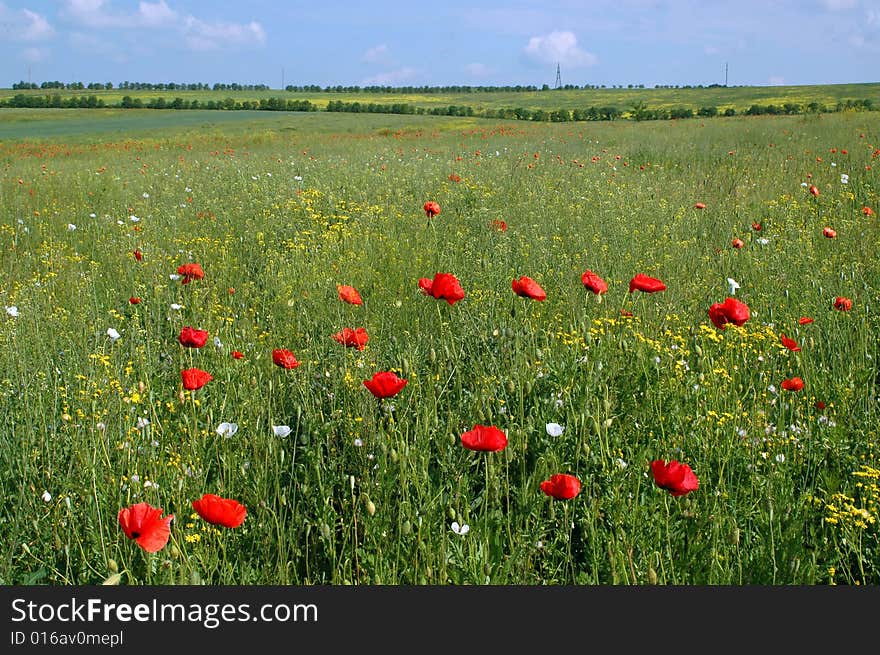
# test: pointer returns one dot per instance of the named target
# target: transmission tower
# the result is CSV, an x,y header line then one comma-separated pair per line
x,y
558,77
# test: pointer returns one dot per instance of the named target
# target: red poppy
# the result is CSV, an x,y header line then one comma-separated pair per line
x,y
867,211
677,478
594,283
143,524
190,272
626,313
195,378
528,288
814,190
284,358
192,338
349,294
486,438
756,227
225,512
356,338
842,303
237,354
134,300
819,405
792,384
385,384
431,209
829,233
789,343
805,320
729,311
647,284
737,243
138,255
454,177
561,486
700,205
498,224
444,286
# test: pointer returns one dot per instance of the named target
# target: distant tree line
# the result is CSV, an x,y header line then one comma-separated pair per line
x,y
140,86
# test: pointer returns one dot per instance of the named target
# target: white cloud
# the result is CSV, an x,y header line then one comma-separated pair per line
x,y
37,27
200,35
377,54
156,13
390,78
839,5
23,25
477,70
559,47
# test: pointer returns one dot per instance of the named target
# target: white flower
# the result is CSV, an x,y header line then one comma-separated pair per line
x,y
93,215
47,497
135,478
281,430
133,218
173,277
460,529
101,426
621,463
176,307
187,189
772,388
780,458
227,429
217,342
146,195
554,429
142,422
844,178
298,178
148,484
71,227
804,184
763,241
733,285
358,442
12,311
113,334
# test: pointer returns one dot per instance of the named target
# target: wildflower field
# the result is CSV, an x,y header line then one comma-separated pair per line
x,y
351,349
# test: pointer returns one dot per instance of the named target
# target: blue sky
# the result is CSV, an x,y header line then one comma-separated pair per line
x,y
478,42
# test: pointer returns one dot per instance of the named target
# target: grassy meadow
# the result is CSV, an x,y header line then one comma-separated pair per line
x,y
341,487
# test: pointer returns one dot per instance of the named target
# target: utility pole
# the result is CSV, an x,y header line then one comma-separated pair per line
x,y
725,73
558,77
282,78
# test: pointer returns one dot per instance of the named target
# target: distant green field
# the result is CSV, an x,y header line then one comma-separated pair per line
x,y
738,98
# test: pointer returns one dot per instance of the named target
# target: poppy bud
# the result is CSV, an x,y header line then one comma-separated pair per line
x,y
510,386
432,356
587,450
406,528
112,566
652,576
733,537
371,508
325,531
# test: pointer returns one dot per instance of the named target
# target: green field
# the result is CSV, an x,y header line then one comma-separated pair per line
x,y
280,208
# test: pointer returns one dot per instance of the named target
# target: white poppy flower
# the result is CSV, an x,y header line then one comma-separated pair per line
x,y
460,529
12,311
176,307
113,334
47,497
227,429
281,430
733,285
142,422
71,227
554,429
844,178
217,342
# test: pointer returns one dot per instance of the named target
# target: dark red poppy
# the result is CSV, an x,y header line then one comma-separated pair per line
x,y
486,438
134,300
499,225
737,243
349,294
729,311
195,378
756,226
431,209
237,354
284,358
454,177
805,320
819,405
356,338
190,272
528,288
700,205
828,233
224,512
842,303
676,477
138,255
792,384
626,313
192,338
561,486
144,524
385,384
642,282
594,283
789,343
814,190
444,286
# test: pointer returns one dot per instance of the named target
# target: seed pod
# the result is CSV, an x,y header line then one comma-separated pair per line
x,y
371,508
406,528
652,576
112,566
432,356
325,531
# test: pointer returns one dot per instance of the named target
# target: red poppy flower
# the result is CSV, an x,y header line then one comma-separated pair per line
x,y
349,294
842,303
190,272
225,512
143,524
829,233
789,343
138,255
756,227
819,405
192,338
626,313
814,190
356,338
385,384
284,358
729,311
805,320
134,300
195,378
677,478
737,243
594,283
867,211
528,288
454,177
642,282
431,209
561,486
486,438
444,286
792,384
237,354
700,205
498,224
